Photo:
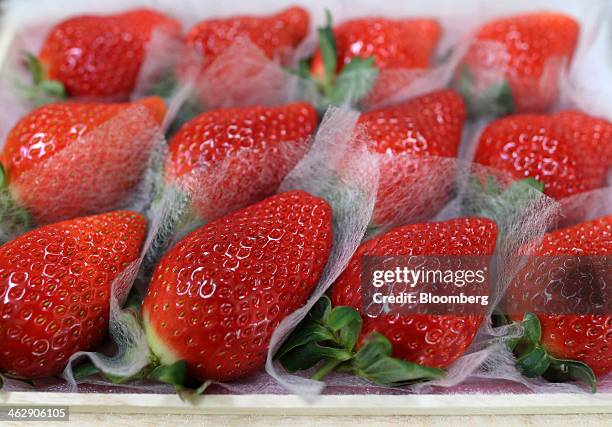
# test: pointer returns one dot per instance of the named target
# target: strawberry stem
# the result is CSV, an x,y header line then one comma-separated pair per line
x,y
345,88
327,367
327,45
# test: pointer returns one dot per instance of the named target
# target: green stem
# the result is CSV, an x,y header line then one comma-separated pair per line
x,y
327,367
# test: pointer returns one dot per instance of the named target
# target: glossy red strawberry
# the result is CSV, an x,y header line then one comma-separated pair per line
x,y
372,59
72,159
236,156
402,43
514,64
564,285
101,56
55,288
276,35
568,152
430,340
218,295
404,134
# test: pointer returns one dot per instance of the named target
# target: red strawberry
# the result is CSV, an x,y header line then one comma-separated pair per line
x,y
218,295
276,35
237,156
564,293
515,63
405,43
429,125
371,57
568,152
430,340
55,289
101,56
72,159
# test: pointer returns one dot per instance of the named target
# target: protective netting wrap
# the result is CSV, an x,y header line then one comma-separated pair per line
x,y
127,150
339,169
257,81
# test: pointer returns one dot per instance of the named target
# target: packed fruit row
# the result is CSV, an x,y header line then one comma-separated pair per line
x,y
237,246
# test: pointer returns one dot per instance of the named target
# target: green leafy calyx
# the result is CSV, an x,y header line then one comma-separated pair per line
x,y
534,360
42,90
348,86
328,337
495,99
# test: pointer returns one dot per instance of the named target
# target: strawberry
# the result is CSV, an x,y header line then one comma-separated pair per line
x,y
401,43
55,289
238,156
276,35
422,344
98,56
72,159
463,236
515,62
217,296
361,53
429,125
562,297
568,152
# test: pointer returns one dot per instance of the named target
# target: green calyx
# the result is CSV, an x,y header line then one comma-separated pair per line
x,y
533,360
43,90
328,337
495,100
14,219
344,88
487,198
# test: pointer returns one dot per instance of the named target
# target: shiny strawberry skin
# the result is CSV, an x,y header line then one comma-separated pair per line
x,y
55,285
101,56
583,337
568,152
406,43
44,133
246,152
430,340
429,125
529,43
276,35
217,296
212,136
